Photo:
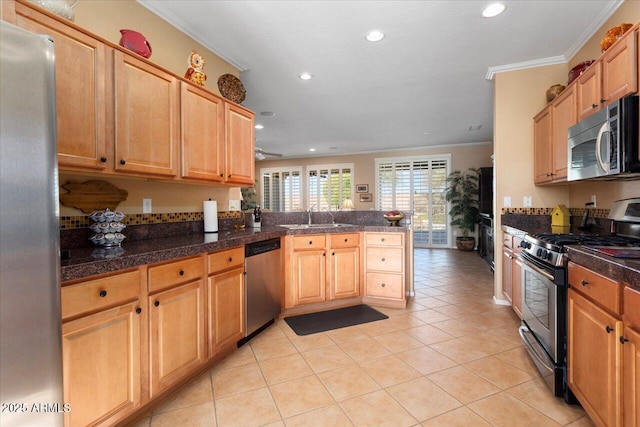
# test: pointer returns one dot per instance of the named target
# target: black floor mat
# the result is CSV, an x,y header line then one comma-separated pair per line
x,y
307,324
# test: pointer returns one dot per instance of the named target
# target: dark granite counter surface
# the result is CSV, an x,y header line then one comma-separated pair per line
x,y
619,269
79,263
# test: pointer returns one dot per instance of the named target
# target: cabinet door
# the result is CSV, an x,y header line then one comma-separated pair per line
x,y
176,319
589,90
564,115
345,273
631,378
202,142
225,315
101,365
80,91
507,273
542,146
619,74
240,160
593,358
309,279
516,282
147,117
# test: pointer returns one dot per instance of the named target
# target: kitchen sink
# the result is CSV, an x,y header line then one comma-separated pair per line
x,y
307,226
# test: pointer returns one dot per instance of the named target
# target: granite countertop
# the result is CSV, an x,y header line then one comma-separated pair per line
x,y
619,269
79,263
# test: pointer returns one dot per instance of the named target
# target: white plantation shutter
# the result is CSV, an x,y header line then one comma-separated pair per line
x,y
329,185
282,189
416,184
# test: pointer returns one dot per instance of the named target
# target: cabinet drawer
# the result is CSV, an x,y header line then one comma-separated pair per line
x,y
171,274
384,259
310,241
383,239
344,240
94,295
631,298
599,289
224,260
516,244
384,285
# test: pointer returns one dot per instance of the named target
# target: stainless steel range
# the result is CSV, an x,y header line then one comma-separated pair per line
x,y
544,282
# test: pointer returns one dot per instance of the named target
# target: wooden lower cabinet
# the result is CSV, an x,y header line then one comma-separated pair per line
x,y
345,273
517,295
507,273
177,334
102,365
593,359
225,314
384,269
631,377
309,276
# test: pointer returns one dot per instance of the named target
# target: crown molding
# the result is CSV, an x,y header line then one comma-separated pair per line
x,y
591,30
552,60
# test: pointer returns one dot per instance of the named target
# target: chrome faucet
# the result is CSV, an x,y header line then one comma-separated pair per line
x,y
333,221
309,212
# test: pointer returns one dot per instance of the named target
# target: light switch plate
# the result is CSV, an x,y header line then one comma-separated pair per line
x,y
527,202
506,202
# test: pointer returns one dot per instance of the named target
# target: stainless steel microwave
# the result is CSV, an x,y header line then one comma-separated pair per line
x,y
605,144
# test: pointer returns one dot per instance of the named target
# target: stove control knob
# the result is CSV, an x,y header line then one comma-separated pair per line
x,y
544,253
539,252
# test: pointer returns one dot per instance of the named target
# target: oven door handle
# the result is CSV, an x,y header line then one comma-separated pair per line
x,y
538,270
603,165
524,330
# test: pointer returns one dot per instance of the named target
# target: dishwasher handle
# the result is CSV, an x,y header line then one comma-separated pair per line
x,y
257,248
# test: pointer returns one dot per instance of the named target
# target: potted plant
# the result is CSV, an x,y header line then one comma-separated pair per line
x,y
462,193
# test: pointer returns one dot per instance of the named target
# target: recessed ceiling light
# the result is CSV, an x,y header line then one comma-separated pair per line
x,y
268,113
305,76
259,126
374,35
312,149
493,9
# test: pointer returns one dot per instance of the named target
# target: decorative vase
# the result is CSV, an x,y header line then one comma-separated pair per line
x,y
59,7
465,244
554,91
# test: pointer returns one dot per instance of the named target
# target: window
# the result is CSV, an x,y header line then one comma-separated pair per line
x,y
329,185
417,184
282,189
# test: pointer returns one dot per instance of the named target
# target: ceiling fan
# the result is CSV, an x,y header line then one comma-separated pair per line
x,y
261,154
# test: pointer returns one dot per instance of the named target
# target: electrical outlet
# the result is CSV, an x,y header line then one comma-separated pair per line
x,y
506,202
593,200
527,202
146,205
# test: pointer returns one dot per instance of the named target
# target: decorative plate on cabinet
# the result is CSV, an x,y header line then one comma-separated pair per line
x,y
231,88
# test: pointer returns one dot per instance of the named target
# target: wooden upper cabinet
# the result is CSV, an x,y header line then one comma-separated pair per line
x,y
589,90
240,161
564,115
619,73
147,117
202,141
81,96
542,142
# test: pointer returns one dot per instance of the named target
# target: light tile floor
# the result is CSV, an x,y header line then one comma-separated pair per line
x,y
452,358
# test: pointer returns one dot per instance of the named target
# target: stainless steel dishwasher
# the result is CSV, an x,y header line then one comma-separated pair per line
x,y
263,280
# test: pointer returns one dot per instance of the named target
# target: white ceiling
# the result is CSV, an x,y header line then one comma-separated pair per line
x,y
423,85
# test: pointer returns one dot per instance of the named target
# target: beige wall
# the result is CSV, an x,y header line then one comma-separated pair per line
x,y
462,157
171,49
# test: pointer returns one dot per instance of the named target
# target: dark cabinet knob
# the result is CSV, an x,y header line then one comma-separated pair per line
x,y
383,285
382,239
383,259
103,293
333,253
602,101
138,310
181,272
103,159
122,162
346,240
584,282
594,105
608,329
221,175
229,176
623,340
323,254
230,259
311,242
157,303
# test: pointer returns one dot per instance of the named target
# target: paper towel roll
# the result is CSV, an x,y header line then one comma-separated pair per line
x,y
210,216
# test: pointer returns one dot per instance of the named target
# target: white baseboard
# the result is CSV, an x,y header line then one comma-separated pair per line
x,y
500,301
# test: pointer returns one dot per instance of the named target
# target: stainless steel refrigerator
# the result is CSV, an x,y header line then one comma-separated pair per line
x,y
30,326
